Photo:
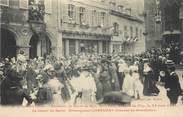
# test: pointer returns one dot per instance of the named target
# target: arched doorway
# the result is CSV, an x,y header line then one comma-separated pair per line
x,y
7,44
40,46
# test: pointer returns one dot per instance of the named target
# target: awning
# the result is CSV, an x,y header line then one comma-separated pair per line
x,y
174,32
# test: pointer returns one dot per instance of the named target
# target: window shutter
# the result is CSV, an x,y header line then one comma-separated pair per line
x,y
87,18
97,18
77,14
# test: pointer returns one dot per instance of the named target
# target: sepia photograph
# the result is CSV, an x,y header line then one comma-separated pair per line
x,y
89,57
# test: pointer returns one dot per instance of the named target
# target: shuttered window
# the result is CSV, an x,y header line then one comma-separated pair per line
x,y
94,18
82,15
71,11
137,32
103,15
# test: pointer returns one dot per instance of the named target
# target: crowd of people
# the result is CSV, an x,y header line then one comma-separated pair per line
x,y
86,78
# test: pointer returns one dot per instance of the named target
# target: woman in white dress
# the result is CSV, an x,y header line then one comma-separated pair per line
x,y
138,87
128,83
56,87
85,88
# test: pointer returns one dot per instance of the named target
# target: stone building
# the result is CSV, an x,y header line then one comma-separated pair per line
x,y
153,28
84,27
29,25
67,27
128,27
164,25
99,26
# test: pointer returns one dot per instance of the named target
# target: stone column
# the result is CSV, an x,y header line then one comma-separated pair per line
x,y
67,47
110,47
59,46
77,46
100,47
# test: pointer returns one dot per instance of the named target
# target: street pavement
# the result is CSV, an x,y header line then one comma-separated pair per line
x,y
160,104
161,98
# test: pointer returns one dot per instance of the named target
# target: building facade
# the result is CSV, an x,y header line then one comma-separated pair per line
x,y
153,24
128,28
164,25
28,25
84,25
68,27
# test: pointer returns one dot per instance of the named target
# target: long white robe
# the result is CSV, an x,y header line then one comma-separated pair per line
x,y
56,86
84,83
128,85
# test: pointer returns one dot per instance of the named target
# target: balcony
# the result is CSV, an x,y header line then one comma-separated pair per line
x,y
36,17
36,12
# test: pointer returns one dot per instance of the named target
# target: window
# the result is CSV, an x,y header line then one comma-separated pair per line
x,y
72,49
112,5
137,33
82,15
48,6
131,32
71,11
140,33
103,14
23,4
120,8
125,32
104,47
94,18
116,28
128,11
4,2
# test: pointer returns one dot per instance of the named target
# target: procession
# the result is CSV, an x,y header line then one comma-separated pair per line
x,y
90,52
87,79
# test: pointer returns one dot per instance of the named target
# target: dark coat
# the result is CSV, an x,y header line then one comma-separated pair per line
x,y
12,92
149,84
172,83
31,79
114,78
105,80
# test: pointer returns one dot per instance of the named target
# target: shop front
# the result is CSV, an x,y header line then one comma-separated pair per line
x,y
75,43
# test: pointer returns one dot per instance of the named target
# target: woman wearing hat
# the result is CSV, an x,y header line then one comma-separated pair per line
x,y
138,87
128,83
149,83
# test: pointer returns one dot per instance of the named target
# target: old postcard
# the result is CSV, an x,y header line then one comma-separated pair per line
x,y
91,58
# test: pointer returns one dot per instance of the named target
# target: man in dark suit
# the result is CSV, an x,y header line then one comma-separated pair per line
x,y
172,85
12,92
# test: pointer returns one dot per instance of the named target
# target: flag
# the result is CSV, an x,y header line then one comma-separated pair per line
x,y
135,39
